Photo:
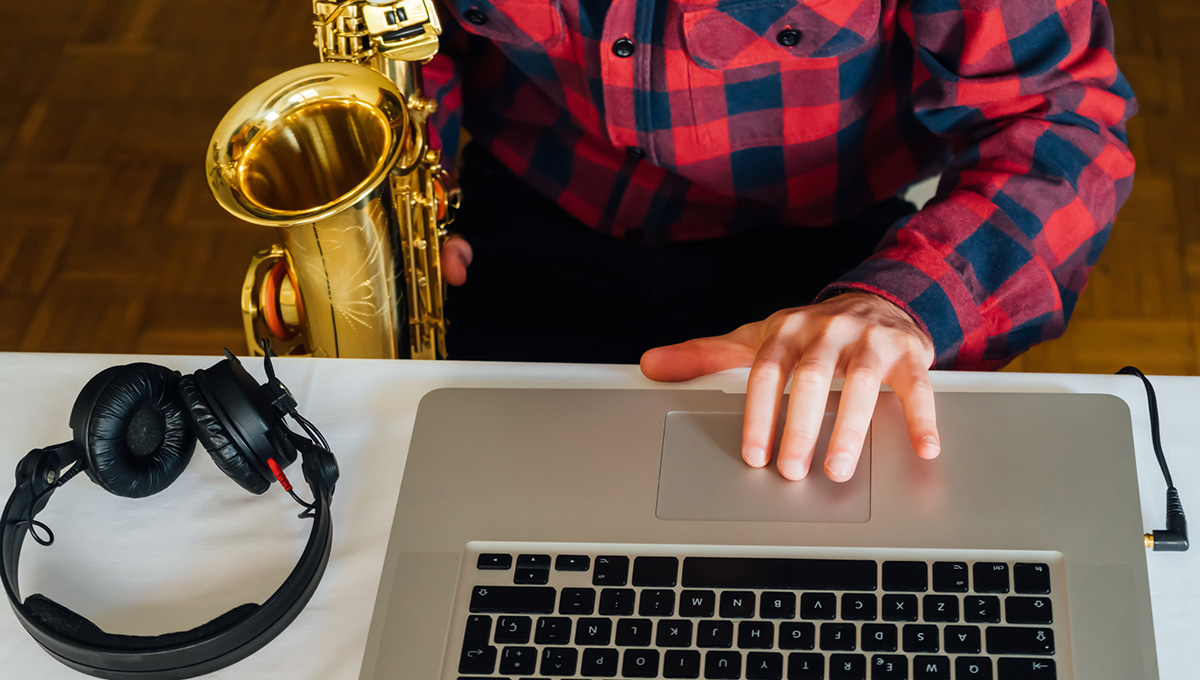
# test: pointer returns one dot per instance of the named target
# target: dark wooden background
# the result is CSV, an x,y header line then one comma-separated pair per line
x,y
111,242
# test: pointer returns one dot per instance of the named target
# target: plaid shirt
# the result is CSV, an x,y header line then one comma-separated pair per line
x,y
668,120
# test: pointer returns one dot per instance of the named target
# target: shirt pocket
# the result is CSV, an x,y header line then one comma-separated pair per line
x,y
526,24
738,33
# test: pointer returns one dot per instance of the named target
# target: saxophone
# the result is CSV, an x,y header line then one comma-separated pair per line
x,y
336,154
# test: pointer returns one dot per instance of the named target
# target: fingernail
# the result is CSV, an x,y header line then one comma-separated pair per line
x,y
841,467
931,445
792,469
755,456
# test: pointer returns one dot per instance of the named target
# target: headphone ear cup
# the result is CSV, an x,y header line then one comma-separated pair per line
x,y
130,426
219,443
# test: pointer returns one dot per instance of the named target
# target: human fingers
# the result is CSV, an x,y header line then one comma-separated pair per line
x,y
694,358
910,380
855,408
764,392
456,256
806,411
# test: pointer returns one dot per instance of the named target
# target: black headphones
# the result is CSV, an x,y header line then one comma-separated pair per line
x,y
135,427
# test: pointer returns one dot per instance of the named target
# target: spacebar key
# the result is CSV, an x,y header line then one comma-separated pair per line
x,y
512,600
779,573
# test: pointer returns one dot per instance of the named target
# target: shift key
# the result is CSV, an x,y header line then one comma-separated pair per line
x,y
512,600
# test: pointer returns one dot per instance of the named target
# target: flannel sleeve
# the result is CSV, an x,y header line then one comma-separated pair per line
x,y
443,83
1029,96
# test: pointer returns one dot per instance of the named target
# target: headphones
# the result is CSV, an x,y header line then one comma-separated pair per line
x,y
135,427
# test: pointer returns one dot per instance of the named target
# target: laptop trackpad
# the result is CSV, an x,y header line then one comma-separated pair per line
x,y
703,477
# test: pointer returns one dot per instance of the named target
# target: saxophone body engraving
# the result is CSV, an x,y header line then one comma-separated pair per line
x,y
336,155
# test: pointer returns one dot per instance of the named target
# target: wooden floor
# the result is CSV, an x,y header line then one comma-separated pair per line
x,y
111,242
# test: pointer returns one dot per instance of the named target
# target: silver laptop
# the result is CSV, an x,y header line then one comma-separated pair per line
x,y
600,533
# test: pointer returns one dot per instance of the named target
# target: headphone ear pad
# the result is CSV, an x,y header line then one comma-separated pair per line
x,y
217,440
129,423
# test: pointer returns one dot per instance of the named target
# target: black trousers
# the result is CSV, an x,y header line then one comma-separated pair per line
x,y
544,287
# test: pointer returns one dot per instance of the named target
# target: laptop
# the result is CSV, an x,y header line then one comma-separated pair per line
x,y
578,533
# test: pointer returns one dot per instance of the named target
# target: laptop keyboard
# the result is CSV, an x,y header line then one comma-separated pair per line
x,y
600,615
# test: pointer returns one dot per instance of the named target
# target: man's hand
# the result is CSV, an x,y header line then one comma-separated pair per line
x,y
858,336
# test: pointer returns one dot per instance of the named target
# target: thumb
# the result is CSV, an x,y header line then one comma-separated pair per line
x,y
456,257
694,358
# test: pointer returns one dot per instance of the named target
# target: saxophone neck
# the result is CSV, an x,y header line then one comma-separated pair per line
x,y
373,32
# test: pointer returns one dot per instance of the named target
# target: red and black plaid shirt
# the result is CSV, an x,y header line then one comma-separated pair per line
x,y
667,120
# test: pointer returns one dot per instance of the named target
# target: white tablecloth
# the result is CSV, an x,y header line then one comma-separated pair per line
x,y
203,546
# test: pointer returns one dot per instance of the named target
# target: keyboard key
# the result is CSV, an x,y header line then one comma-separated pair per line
x,y
859,607
910,577
533,562
931,668
797,635
984,609
656,602
572,563
723,665
1032,579
552,630
737,604
640,663
497,561
512,600
973,668
674,633
805,666
616,602
900,608
777,606
600,663
477,656
818,606
518,660
889,667
756,635
577,601
764,666
991,577
593,632
763,573
513,630
634,632
714,634
920,638
847,667
1028,610
661,572
697,603
681,664
838,637
879,637
950,577
531,576
611,570
1025,669
941,608
1004,640
559,661
963,640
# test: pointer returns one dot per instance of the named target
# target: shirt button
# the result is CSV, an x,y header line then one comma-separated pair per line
x,y
788,37
623,48
635,152
478,18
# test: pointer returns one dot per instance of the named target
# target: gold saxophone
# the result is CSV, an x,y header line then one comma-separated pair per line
x,y
336,153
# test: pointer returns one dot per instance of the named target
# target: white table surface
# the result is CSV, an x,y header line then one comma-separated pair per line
x,y
175,560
